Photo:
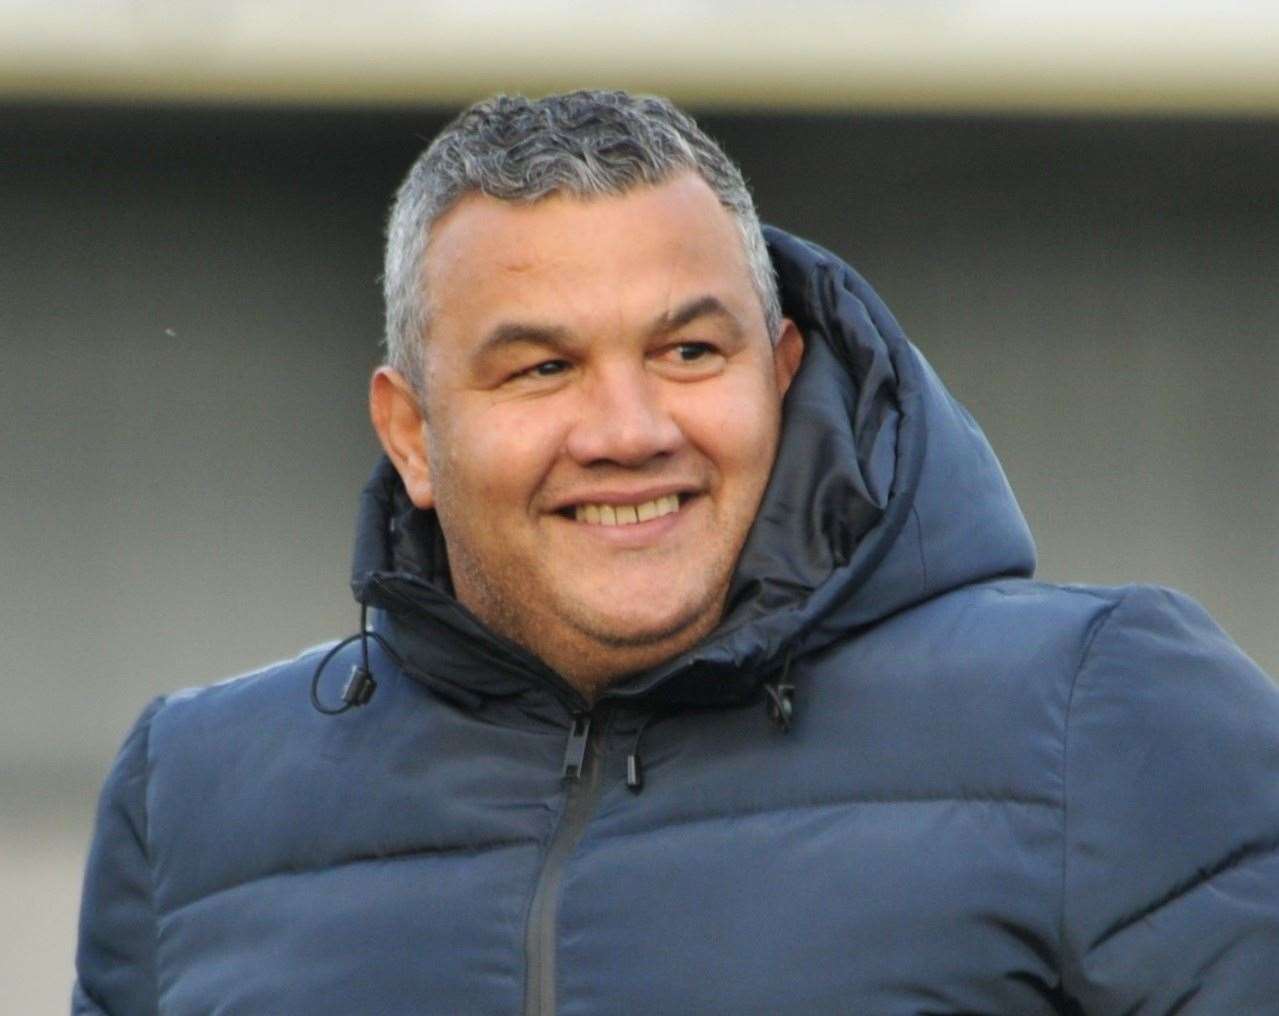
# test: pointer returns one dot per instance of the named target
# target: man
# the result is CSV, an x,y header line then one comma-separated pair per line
x,y
677,699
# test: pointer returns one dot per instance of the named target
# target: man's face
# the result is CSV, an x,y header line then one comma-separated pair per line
x,y
602,414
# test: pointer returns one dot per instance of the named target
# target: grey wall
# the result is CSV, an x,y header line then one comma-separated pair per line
x,y
189,310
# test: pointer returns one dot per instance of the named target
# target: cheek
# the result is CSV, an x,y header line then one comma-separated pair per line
x,y
738,428
501,454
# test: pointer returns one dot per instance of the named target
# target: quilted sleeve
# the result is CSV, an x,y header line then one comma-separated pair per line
x,y
1171,863
115,960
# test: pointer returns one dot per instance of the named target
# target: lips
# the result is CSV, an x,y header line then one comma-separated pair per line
x,y
626,514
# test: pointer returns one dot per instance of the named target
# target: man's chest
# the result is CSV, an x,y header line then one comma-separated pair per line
x,y
673,901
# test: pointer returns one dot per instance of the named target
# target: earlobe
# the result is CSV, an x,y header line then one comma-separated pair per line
x,y
787,355
397,418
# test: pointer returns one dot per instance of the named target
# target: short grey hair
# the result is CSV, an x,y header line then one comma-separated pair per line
x,y
584,143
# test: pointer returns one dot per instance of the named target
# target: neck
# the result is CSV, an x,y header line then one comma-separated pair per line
x,y
590,663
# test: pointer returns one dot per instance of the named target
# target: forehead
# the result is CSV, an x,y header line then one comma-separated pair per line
x,y
592,259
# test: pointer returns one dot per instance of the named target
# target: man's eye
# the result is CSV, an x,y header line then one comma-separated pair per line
x,y
689,352
547,368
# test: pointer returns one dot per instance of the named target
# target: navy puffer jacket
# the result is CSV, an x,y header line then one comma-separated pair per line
x,y
900,777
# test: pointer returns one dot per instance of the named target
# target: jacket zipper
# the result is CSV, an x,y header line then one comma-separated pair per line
x,y
582,791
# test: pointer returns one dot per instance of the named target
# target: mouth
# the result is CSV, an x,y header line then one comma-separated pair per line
x,y
613,514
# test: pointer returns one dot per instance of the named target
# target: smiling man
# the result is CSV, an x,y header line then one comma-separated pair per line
x,y
703,671
595,420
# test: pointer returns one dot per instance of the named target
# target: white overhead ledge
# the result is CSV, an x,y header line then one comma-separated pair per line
x,y
914,55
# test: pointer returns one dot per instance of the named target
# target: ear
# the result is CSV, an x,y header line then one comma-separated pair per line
x,y
787,354
401,427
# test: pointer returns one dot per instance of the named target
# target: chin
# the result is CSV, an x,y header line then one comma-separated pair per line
x,y
678,629
593,648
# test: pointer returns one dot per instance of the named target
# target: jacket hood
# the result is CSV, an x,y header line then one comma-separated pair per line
x,y
885,493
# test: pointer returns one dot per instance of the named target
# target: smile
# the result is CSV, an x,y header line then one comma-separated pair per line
x,y
626,514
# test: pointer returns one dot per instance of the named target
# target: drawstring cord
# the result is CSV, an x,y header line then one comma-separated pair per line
x,y
779,702
781,697
360,685
634,768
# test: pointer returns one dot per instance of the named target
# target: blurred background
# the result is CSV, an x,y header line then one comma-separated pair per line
x,y
1073,214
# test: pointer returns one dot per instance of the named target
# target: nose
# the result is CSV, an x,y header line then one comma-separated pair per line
x,y
622,419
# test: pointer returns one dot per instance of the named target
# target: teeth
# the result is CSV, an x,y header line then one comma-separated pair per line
x,y
626,514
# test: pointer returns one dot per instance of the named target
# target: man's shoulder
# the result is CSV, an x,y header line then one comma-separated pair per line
x,y
238,779
261,722
263,695
1011,632
1020,613
1001,624
1130,634
1146,650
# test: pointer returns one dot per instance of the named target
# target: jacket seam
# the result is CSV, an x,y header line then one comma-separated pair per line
x,y
919,544
1025,802
1236,859
396,855
1064,959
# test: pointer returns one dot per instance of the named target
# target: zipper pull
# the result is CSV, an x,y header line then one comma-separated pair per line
x,y
575,751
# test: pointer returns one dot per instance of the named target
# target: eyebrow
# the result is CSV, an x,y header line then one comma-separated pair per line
x,y
514,333
693,310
